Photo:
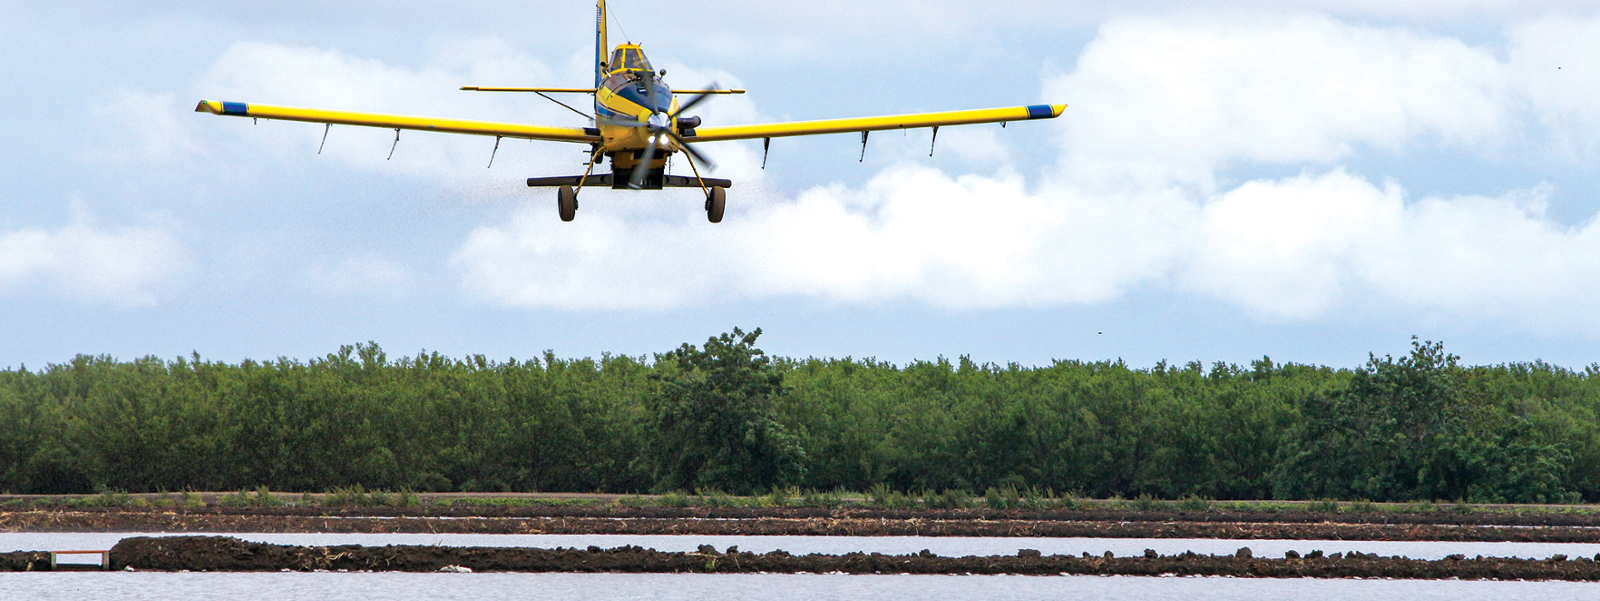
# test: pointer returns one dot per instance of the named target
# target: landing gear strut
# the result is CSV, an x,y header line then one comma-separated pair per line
x,y
715,203
567,202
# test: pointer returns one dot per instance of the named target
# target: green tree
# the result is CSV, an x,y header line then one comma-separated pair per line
x,y
714,425
1409,429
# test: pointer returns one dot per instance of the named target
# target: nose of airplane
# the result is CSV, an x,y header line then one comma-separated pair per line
x,y
659,121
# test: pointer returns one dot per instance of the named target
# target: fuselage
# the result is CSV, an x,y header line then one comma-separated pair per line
x,y
633,106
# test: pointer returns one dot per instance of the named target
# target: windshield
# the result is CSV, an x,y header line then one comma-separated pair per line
x,y
630,59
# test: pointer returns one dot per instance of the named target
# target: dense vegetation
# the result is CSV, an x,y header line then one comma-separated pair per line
x,y
725,416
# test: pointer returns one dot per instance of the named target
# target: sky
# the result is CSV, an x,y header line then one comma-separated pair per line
x,y
1310,181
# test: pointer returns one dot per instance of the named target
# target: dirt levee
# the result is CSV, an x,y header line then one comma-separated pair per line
x,y
230,554
24,561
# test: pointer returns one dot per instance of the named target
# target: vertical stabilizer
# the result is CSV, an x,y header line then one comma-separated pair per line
x,y
600,43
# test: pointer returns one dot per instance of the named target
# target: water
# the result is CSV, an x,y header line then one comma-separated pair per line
x,y
948,546
116,586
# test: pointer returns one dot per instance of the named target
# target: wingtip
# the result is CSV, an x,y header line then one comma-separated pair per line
x,y
208,106
1057,109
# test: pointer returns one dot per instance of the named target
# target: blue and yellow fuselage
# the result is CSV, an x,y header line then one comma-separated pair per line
x,y
626,115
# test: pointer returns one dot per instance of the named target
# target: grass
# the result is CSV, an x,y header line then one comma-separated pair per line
x,y
515,502
816,498
1324,506
1196,503
1003,498
715,498
359,496
881,496
1145,502
260,497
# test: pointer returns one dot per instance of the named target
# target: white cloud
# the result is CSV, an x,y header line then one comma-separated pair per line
x,y
911,232
1158,107
1553,63
363,273
136,127
1291,248
1299,247
121,266
1175,101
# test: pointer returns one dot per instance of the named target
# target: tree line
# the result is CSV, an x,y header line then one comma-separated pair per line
x,y
725,416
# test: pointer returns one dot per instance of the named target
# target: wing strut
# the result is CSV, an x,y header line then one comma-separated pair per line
x,y
396,143
568,107
863,147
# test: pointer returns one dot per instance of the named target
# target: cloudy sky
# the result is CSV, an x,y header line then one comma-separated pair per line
x,y
1311,181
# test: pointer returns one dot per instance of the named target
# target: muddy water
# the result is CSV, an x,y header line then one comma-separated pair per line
x,y
697,587
836,545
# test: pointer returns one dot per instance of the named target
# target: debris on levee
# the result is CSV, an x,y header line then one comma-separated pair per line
x,y
226,554
25,561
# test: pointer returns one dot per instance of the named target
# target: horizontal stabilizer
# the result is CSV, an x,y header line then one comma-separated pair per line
x,y
535,90
605,179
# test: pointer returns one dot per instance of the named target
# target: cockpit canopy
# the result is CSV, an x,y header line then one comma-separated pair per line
x,y
631,58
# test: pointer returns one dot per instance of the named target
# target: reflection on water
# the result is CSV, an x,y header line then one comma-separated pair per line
x,y
894,545
116,586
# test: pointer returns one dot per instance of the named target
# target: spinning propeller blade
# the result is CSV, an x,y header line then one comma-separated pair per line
x,y
695,154
636,180
693,101
657,130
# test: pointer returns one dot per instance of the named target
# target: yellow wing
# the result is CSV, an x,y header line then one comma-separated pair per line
x,y
835,126
452,126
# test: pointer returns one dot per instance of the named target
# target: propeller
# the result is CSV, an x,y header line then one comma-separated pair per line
x,y
659,126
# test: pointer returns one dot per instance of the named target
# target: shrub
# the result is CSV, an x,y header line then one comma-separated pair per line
x,y
675,498
1195,503
1323,506
1145,502
951,498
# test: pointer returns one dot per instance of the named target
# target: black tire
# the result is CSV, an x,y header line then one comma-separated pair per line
x,y
567,203
716,204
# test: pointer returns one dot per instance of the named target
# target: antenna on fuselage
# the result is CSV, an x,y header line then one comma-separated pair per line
x,y
619,25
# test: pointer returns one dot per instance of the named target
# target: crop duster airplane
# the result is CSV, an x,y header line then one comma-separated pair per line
x,y
638,124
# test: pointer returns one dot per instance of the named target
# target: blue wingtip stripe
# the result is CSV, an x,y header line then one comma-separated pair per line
x,y
235,108
1040,111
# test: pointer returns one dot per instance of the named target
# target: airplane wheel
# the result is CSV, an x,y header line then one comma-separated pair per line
x,y
567,202
715,204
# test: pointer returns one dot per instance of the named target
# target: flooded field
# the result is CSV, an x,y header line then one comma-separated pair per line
x,y
888,545
808,587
